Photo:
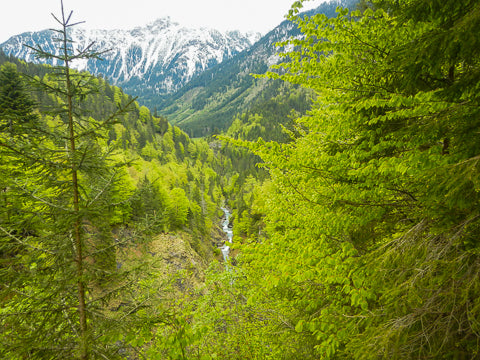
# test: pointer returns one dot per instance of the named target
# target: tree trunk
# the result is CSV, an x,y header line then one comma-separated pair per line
x,y
76,206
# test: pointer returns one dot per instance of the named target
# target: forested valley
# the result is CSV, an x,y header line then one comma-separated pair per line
x,y
353,184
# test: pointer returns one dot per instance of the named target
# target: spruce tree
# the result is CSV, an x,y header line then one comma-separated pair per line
x,y
16,106
58,254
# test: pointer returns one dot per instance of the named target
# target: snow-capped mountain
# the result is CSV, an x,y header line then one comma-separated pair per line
x,y
159,57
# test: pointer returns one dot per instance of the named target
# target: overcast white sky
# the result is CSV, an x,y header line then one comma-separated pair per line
x,y
18,16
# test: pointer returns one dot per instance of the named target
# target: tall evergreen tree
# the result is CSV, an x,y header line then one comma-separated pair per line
x,y
16,106
56,307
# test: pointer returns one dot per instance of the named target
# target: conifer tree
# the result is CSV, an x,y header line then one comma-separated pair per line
x,y
16,107
60,271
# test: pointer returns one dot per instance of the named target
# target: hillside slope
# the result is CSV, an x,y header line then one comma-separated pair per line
x,y
208,103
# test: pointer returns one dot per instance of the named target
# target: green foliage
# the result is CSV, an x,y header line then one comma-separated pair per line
x,y
370,247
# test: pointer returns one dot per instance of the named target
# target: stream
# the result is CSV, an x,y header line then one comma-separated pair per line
x,y
228,232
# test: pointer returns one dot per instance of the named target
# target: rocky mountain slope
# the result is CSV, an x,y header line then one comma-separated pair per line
x,y
158,58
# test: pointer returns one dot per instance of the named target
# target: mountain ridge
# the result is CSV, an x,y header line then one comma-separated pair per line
x,y
158,57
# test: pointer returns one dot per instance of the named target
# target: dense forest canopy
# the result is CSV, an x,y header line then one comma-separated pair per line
x,y
354,189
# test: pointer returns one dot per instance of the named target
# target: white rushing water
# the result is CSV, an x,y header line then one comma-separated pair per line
x,y
228,232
